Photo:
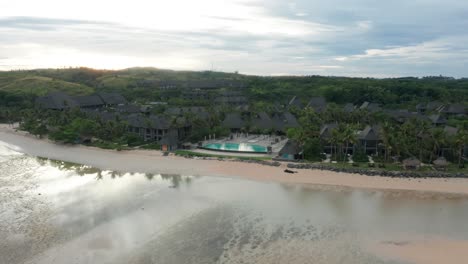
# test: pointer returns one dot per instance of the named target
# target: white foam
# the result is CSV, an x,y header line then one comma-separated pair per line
x,y
8,151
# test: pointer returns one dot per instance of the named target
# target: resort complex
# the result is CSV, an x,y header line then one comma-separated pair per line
x,y
227,117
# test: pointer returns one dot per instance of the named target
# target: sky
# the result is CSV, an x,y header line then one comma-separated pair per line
x,y
362,38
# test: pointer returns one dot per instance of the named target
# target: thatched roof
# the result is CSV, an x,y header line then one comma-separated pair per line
x,y
196,110
141,121
290,148
411,162
317,103
440,162
349,107
456,109
370,133
89,101
262,121
233,121
56,101
325,131
128,109
285,120
438,119
371,107
112,98
170,138
434,105
231,100
295,101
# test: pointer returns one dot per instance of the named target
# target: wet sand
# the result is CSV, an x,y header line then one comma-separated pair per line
x,y
145,161
425,251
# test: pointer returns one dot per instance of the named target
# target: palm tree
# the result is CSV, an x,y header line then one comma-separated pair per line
x,y
461,139
335,138
438,137
348,136
386,131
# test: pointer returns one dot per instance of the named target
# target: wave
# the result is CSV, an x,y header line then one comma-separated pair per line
x,y
9,151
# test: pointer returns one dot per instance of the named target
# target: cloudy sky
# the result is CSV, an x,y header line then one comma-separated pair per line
x,y
269,37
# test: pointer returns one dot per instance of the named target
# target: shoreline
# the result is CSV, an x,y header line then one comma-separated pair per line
x,y
152,161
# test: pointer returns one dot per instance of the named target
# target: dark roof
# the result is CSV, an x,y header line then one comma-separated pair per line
x,y
195,92
233,121
317,103
183,110
131,109
89,100
364,105
295,101
231,99
370,133
284,120
112,98
56,101
421,106
402,116
291,148
198,111
434,106
155,122
325,131
349,107
171,138
371,107
243,108
438,119
231,93
456,109
262,121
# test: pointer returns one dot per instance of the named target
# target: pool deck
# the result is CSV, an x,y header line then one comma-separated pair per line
x,y
261,140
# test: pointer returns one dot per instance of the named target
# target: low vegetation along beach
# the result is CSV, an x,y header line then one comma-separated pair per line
x,y
150,161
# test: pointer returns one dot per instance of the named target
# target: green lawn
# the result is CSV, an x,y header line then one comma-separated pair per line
x,y
452,168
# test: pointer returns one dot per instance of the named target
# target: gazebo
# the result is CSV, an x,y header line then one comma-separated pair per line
x,y
440,163
411,164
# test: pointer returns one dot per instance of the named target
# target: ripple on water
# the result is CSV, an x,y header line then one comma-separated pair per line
x,y
232,236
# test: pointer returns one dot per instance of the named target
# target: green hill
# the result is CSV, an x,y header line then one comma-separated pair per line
x,y
40,85
140,83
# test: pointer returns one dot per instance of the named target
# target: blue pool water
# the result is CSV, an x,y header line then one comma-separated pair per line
x,y
242,147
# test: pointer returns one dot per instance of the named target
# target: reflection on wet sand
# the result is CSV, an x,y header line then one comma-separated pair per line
x,y
54,212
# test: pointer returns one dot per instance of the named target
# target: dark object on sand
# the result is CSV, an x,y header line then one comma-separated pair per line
x,y
289,171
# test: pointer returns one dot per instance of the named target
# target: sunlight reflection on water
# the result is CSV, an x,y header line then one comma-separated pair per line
x,y
69,211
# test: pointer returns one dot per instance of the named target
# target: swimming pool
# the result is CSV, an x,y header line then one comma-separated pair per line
x,y
236,147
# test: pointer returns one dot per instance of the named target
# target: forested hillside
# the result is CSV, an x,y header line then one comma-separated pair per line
x,y
144,84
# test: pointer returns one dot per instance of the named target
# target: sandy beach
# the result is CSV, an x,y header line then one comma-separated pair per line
x,y
150,161
405,247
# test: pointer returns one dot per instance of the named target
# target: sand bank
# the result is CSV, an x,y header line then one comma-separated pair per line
x,y
424,251
146,161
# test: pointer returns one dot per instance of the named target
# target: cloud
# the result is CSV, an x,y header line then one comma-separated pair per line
x,y
426,51
335,37
38,23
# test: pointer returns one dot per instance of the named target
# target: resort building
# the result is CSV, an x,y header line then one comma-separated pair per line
x,y
319,104
61,101
56,101
291,151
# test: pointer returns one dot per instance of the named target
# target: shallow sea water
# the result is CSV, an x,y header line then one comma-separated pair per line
x,y
57,212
